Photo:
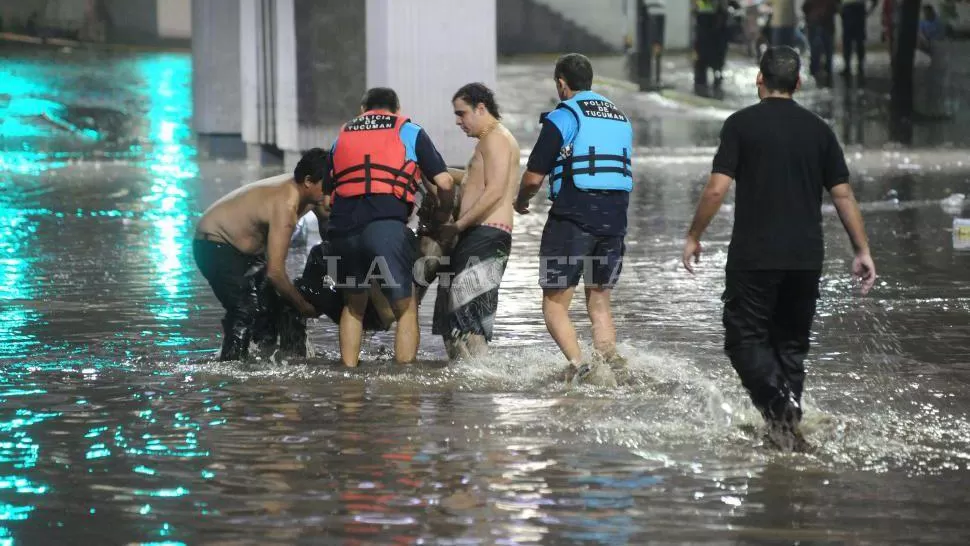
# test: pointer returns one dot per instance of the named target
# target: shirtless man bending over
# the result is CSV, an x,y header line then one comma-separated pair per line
x,y
242,240
467,301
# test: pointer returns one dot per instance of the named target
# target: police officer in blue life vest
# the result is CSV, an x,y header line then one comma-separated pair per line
x,y
586,148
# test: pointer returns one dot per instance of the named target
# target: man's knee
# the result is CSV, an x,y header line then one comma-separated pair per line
x,y
555,299
355,302
403,307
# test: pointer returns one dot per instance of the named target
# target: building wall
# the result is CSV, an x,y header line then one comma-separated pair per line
x,y
127,21
216,67
426,68
174,18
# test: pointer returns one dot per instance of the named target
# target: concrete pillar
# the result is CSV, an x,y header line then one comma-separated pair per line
x,y
320,71
306,63
258,83
215,75
174,18
426,50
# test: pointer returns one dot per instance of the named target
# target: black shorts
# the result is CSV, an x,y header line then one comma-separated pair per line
x,y
568,253
385,251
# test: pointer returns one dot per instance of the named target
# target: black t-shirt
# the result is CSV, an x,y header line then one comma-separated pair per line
x,y
781,157
599,212
350,214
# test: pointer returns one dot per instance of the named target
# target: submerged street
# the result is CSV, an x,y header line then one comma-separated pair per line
x,y
118,427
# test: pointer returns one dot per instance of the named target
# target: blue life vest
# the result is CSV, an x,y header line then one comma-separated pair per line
x,y
599,155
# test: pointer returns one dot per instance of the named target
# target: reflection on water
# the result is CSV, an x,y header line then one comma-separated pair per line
x,y
170,164
117,427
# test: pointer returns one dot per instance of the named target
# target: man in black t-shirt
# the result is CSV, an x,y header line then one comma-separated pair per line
x,y
781,156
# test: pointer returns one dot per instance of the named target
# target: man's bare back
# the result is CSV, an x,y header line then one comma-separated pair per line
x,y
494,162
242,217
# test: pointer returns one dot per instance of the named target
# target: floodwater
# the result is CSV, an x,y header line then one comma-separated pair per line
x,y
116,426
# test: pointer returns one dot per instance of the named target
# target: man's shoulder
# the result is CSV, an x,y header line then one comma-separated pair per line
x,y
498,141
280,193
412,126
562,115
813,118
753,111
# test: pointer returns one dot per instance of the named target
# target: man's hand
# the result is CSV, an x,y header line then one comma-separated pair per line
x,y
307,311
448,235
528,187
692,249
865,269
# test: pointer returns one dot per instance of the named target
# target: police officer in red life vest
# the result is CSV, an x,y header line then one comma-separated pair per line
x,y
379,160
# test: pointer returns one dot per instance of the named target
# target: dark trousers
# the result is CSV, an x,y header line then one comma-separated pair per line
x,y
854,35
239,283
767,321
705,48
822,43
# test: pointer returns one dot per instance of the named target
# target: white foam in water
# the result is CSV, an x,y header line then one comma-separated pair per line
x,y
676,405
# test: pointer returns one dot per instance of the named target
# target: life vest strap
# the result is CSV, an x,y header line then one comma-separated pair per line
x,y
392,181
598,170
625,159
367,166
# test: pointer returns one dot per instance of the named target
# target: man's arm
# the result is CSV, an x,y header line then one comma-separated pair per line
x,y
444,191
281,225
844,200
458,175
541,160
322,212
497,164
528,187
441,185
862,265
707,207
710,203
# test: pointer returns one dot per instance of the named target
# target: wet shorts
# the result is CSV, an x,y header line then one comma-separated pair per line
x,y
384,251
568,253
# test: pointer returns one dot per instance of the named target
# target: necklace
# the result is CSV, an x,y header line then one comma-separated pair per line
x,y
488,130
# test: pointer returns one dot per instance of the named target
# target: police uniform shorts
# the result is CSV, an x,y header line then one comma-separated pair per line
x,y
568,253
384,251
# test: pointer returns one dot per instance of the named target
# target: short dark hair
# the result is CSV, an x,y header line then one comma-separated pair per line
x,y
315,163
576,70
780,66
380,98
478,93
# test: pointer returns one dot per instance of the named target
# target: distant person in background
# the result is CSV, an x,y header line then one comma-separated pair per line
x,y
889,24
783,22
854,17
930,41
820,20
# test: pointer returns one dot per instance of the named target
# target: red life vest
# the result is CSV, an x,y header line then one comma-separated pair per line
x,y
370,158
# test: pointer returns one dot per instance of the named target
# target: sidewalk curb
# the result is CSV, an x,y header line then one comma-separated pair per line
x,y
683,98
14,38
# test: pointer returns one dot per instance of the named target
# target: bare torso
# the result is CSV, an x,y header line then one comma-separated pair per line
x,y
473,184
241,217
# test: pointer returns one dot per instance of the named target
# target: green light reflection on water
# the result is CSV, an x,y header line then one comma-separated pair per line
x,y
16,229
170,163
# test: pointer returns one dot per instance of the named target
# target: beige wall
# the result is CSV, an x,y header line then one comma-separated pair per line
x,y
174,18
